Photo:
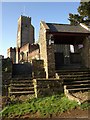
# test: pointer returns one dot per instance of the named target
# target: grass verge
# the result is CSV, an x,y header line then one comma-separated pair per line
x,y
44,106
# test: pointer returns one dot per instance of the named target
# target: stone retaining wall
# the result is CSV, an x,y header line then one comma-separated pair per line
x,y
47,87
6,76
38,70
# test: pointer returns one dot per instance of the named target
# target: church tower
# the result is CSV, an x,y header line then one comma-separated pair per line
x,y
25,35
25,32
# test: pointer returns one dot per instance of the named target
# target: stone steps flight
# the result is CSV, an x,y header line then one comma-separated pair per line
x,y
75,80
21,86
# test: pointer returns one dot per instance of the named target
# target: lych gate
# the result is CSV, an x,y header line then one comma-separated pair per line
x,y
58,40
68,50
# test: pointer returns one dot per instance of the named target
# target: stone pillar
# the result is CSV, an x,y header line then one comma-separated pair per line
x,y
67,55
50,57
86,52
46,49
43,48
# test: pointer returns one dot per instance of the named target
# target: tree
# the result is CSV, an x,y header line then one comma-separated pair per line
x,y
83,15
75,19
84,9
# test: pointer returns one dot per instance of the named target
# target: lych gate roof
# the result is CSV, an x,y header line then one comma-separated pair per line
x,y
53,27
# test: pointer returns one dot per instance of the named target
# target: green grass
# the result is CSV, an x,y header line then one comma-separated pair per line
x,y
85,106
44,106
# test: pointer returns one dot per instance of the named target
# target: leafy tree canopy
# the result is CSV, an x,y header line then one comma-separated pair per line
x,y
83,15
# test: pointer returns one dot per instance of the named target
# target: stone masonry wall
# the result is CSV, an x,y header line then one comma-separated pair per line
x,y
30,51
11,53
46,50
6,75
17,54
47,87
33,55
32,39
43,47
38,70
51,58
25,50
27,31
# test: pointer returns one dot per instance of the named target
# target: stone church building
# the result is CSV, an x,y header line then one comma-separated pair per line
x,y
25,42
54,45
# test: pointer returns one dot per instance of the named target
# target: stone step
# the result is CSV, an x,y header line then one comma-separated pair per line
x,y
73,70
22,85
78,89
21,81
22,76
21,93
76,82
22,88
76,73
19,78
75,79
78,86
74,76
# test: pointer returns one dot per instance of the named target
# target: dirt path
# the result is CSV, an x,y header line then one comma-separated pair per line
x,y
76,113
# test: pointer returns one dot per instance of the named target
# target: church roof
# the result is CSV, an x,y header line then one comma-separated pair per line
x,y
54,27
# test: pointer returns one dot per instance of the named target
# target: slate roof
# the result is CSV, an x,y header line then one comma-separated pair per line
x,y
66,28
